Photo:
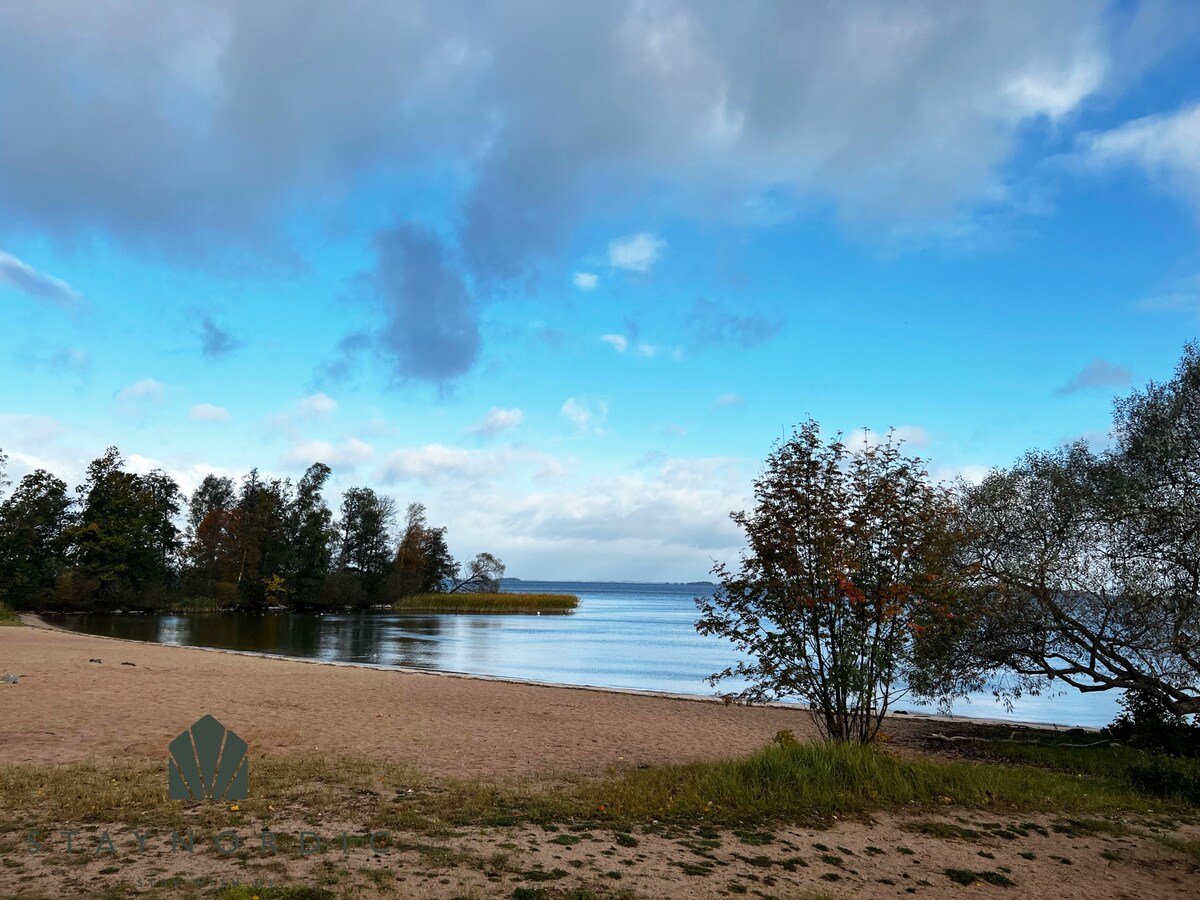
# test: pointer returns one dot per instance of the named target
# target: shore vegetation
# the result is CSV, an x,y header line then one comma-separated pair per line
x,y
479,602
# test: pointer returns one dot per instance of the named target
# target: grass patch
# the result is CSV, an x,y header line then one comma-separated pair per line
x,y
796,783
966,877
8,617
273,892
1149,773
1190,849
801,783
487,603
807,782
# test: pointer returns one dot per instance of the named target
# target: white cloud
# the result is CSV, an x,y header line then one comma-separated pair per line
x,y
876,109
668,520
207,412
621,344
70,358
497,420
585,415
618,342
636,252
349,454
145,390
730,400
1056,91
439,463
1166,147
971,473
319,406
677,515
313,407
187,475
912,436
1182,297
585,281
30,429
26,278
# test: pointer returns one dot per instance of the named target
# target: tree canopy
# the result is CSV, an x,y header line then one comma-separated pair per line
x,y
1086,565
849,562
127,540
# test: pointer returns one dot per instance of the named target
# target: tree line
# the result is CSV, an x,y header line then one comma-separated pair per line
x,y
864,581
124,540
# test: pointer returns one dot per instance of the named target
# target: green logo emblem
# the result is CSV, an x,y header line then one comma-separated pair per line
x,y
208,762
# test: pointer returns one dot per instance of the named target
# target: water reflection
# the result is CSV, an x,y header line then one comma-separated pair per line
x,y
623,635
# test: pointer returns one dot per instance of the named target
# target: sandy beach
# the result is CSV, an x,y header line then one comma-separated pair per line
x,y
132,703
106,701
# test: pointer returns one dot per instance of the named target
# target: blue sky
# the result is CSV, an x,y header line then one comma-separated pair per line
x,y
564,272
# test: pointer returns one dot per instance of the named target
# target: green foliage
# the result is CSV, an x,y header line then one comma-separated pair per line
x,y
1124,767
810,782
849,566
1166,777
263,542
801,783
124,541
966,877
273,892
1148,722
33,540
423,563
365,541
1084,564
309,534
8,616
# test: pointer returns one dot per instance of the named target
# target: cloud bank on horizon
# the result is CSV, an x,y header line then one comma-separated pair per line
x,y
564,272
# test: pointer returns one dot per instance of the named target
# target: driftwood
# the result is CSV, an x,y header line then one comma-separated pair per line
x,y
1013,739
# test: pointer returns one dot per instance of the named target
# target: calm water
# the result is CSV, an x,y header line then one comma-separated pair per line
x,y
622,635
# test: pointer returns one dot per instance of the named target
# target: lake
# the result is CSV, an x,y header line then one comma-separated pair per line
x,y
623,635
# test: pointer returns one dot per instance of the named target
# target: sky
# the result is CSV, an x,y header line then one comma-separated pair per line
x,y
565,272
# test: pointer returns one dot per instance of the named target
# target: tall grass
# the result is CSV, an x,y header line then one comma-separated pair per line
x,y
194,605
1154,774
800,783
8,617
807,781
488,603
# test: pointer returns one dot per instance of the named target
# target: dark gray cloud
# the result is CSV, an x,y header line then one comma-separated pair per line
x,y
29,280
215,341
710,324
346,358
195,128
162,122
1099,373
431,326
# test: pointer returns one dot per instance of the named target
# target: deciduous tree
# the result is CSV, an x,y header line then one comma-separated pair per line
x,y
1088,565
33,545
847,565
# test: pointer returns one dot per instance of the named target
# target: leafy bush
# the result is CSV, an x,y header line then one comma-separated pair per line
x,y
1166,777
1148,723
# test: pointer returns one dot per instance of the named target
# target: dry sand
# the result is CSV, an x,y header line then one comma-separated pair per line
x,y
67,708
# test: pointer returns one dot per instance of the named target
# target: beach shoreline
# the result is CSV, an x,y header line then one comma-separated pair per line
x,y
66,708
35,621
96,708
